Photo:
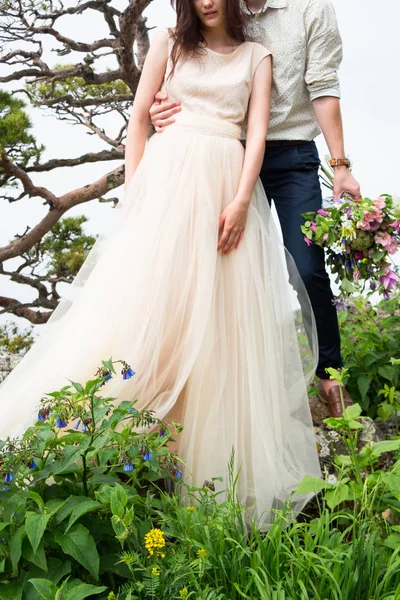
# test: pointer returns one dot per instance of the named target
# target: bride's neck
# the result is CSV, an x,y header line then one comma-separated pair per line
x,y
217,37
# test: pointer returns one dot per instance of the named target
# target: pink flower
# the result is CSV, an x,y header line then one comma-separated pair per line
x,y
325,237
387,241
371,221
396,226
379,203
323,212
390,280
307,241
356,275
313,226
358,255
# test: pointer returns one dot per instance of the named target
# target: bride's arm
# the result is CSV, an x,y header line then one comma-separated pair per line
x,y
233,219
258,120
150,82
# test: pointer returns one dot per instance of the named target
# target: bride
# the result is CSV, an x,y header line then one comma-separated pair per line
x,y
191,287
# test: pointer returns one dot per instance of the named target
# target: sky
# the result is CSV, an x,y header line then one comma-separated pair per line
x,y
370,90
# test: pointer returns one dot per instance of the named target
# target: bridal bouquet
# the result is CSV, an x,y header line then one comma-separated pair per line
x,y
360,236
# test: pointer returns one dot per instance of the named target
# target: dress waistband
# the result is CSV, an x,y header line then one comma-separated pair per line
x,y
208,125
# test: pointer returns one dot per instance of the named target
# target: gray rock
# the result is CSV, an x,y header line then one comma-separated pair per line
x,y
7,363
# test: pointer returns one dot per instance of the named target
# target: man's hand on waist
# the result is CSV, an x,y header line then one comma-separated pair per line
x,y
162,112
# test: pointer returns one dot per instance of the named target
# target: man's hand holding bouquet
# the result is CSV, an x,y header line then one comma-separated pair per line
x,y
360,236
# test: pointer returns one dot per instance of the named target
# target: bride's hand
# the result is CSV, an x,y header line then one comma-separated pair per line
x,y
232,224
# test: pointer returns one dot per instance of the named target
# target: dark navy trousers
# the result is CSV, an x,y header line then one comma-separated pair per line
x,y
290,178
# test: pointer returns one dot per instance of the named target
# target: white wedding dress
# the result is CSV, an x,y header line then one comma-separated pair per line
x,y
213,339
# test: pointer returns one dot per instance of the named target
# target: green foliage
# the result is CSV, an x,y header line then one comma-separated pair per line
x,y
84,515
72,494
63,250
74,88
370,339
15,340
15,137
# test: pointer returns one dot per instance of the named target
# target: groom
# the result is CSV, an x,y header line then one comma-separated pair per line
x,y
306,48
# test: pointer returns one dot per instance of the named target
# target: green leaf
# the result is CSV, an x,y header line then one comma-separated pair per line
x,y
16,546
118,500
35,528
393,541
347,286
87,505
392,482
363,383
70,456
14,506
386,446
38,558
386,371
36,498
77,386
337,496
13,591
45,588
79,544
70,504
352,412
53,506
312,484
83,591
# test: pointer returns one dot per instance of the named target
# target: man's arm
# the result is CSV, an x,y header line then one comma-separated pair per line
x,y
329,116
324,55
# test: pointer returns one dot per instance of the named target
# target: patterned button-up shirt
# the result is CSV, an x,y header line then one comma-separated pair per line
x,y
306,48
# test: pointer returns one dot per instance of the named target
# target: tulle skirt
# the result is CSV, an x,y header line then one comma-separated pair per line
x,y
218,342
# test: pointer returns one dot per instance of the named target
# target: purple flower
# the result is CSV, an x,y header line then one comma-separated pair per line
x,y
163,433
128,467
339,303
313,226
8,478
147,455
390,280
307,241
76,426
323,212
32,465
60,423
43,414
177,474
127,371
348,265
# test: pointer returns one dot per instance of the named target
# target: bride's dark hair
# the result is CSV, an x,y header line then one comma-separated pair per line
x,y
187,35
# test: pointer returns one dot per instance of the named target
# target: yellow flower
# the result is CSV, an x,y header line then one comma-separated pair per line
x,y
190,509
154,541
201,553
155,571
183,592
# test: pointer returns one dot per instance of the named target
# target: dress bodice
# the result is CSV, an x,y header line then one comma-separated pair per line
x,y
214,84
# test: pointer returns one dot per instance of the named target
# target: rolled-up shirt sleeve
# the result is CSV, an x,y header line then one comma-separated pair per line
x,y
324,50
